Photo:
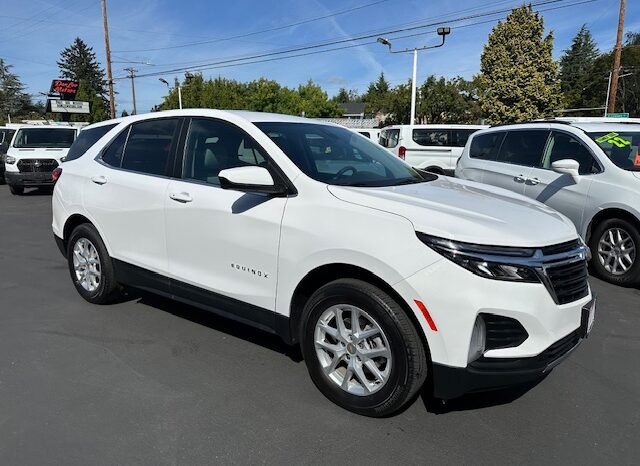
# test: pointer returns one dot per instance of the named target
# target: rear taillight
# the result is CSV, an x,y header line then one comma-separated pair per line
x,y
55,174
402,152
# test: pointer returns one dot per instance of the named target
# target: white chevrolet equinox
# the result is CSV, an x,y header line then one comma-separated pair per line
x,y
385,276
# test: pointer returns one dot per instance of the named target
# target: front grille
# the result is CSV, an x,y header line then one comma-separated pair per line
x,y
503,332
569,282
539,362
561,248
36,165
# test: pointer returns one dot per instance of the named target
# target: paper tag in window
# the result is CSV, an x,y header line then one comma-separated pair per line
x,y
636,162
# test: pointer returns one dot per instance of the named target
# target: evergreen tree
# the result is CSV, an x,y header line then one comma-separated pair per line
x,y
517,70
345,95
378,95
13,100
575,65
78,62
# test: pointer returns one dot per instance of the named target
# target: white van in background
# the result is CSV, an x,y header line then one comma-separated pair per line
x,y
34,152
371,133
435,148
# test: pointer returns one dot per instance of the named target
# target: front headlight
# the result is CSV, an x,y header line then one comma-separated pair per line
x,y
8,159
494,262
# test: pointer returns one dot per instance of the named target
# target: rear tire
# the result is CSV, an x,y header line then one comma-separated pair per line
x,y
382,358
90,266
16,190
615,246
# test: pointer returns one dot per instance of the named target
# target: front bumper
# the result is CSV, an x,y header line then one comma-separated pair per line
x,y
28,178
495,373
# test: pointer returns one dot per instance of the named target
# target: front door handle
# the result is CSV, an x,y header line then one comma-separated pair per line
x,y
181,197
519,179
533,181
99,180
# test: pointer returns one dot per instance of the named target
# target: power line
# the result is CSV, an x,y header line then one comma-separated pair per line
x,y
263,31
267,54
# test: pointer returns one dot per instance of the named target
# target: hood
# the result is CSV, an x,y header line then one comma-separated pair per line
x,y
467,211
38,153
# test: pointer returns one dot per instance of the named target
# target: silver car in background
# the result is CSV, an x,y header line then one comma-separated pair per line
x,y
587,170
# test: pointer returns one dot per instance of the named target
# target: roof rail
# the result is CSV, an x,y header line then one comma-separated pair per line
x,y
550,120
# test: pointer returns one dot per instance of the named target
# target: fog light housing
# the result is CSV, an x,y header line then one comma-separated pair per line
x,y
478,339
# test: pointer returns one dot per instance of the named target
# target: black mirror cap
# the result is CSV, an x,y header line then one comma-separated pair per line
x,y
273,190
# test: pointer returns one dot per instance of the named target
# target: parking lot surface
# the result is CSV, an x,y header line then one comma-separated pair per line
x,y
150,381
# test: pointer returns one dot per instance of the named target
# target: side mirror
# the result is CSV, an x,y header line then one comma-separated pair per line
x,y
567,167
249,179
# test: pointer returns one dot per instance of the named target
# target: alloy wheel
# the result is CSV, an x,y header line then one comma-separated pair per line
x,y
352,349
616,251
86,264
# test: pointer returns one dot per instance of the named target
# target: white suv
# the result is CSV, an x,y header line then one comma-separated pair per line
x,y
588,170
384,276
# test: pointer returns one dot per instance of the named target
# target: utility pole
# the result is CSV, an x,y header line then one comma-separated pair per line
x,y
132,74
112,103
615,71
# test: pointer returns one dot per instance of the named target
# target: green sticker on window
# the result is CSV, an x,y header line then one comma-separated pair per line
x,y
614,139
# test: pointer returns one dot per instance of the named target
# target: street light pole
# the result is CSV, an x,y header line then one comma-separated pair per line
x,y
442,32
414,86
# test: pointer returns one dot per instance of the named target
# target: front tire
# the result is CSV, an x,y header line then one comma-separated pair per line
x,y
16,190
90,266
615,245
361,348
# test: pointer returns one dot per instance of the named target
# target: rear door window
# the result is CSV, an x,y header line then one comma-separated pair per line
x,y
459,137
389,137
149,146
523,147
430,137
486,146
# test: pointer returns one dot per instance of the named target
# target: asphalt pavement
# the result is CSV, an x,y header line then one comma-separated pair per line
x,y
150,381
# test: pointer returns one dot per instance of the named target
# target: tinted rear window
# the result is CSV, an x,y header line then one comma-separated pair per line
x,y
431,137
486,146
85,140
459,137
524,147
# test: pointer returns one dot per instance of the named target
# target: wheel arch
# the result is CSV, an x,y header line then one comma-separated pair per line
x,y
610,213
326,273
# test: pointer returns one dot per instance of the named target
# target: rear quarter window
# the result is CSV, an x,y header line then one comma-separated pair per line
x,y
389,137
486,146
85,140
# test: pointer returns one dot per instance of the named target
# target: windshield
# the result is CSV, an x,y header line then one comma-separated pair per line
x,y
44,137
337,156
621,147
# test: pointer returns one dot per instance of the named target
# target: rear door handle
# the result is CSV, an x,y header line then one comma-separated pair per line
x,y
99,180
519,179
181,197
533,181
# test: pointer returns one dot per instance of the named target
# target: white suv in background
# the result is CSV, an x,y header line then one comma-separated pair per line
x,y
33,154
588,170
434,148
385,276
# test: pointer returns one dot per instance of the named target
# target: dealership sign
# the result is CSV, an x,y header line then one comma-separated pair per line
x,y
69,106
65,88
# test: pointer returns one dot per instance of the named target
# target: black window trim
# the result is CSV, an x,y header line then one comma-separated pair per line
x,y
172,153
280,179
580,141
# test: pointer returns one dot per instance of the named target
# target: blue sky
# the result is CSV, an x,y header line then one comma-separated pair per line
x,y
33,32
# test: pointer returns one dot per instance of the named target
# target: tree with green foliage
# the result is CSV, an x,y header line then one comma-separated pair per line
x,y
378,95
628,96
517,68
14,101
575,66
78,62
447,101
314,102
344,96
97,111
